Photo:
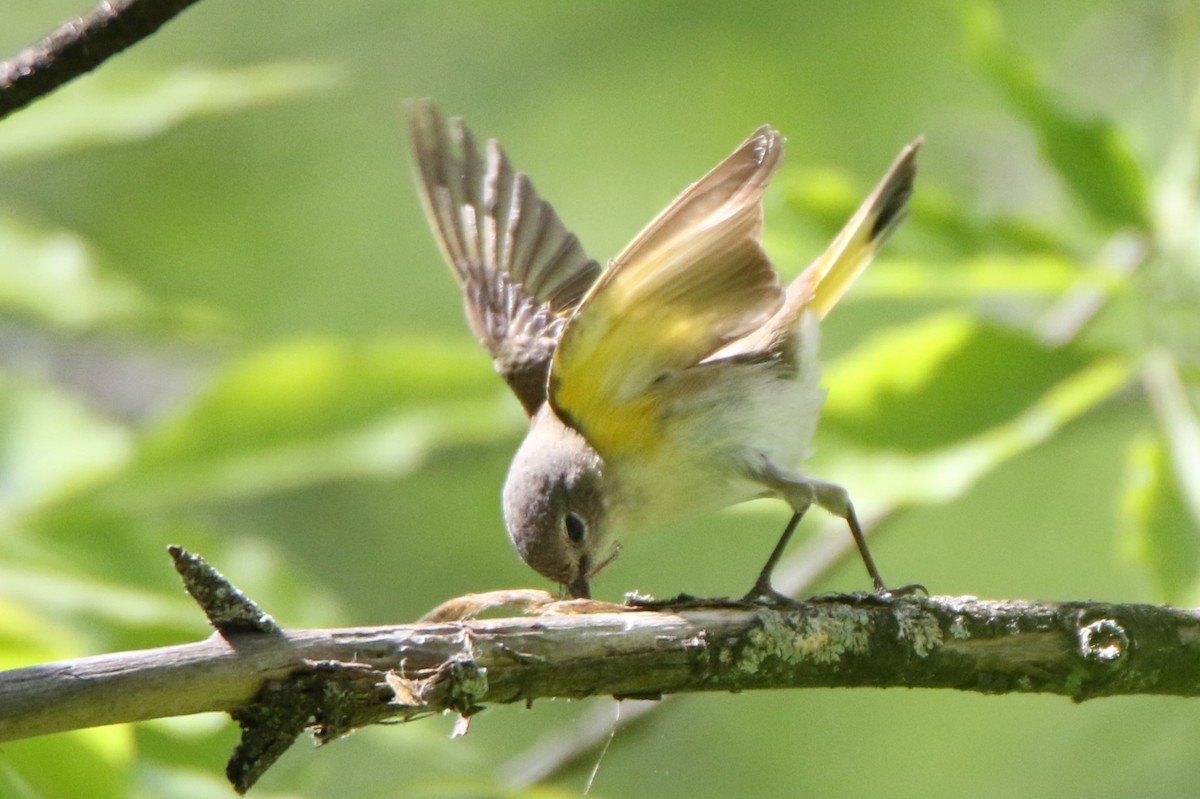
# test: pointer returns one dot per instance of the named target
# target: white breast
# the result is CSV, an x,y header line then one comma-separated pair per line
x,y
723,419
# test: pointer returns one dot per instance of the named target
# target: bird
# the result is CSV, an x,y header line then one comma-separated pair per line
x,y
681,378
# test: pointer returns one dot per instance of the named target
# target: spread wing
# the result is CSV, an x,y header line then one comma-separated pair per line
x,y
695,279
826,279
822,284
521,271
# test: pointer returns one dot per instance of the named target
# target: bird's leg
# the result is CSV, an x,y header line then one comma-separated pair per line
x,y
762,586
836,500
801,492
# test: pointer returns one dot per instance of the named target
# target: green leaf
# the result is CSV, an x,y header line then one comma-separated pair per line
x,y
28,637
113,105
190,781
1091,156
951,222
75,597
102,576
944,474
936,381
312,411
983,278
51,446
1178,423
93,763
55,278
105,574
829,196
1157,531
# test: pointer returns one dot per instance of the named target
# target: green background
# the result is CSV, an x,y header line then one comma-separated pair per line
x,y
225,325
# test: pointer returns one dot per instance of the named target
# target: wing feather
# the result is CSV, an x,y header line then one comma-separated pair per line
x,y
822,284
522,272
695,279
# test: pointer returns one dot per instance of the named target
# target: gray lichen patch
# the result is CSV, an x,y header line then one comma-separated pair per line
x,y
958,629
468,683
918,628
821,638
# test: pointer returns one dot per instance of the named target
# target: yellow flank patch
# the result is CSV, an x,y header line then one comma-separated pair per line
x,y
649,322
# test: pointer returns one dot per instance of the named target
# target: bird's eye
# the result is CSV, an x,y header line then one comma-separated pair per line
x,y
576,527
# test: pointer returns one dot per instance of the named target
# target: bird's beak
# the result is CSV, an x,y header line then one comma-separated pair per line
x,y
579,588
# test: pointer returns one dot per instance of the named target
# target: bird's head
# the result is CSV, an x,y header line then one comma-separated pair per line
x,y
554,505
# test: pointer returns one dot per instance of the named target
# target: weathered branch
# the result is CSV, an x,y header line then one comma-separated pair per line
x,y
277,682
1078,649
79,46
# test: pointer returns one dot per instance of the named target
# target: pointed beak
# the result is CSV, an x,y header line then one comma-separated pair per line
x,y
579,588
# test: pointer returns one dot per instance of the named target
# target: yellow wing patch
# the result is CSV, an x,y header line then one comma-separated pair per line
x,y
695,279
824,282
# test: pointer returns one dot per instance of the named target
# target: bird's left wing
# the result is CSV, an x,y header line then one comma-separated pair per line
x,y
522,272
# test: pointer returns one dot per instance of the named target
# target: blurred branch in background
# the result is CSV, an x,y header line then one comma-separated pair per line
x,y
123,378
79,46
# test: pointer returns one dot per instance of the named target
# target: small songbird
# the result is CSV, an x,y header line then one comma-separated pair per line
x,y
681,379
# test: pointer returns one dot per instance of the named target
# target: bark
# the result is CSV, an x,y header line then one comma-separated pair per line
x,y
277,682
80,45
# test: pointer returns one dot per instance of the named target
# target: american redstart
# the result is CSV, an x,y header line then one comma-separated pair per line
x,y
681,379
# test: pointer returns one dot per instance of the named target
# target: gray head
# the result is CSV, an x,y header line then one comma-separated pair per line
x,y
554,504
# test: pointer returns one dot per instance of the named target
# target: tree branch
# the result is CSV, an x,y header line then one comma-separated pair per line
x,y
276,682
79,46
563,744
1078,649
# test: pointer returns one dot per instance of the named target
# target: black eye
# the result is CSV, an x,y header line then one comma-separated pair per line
x,y
576,527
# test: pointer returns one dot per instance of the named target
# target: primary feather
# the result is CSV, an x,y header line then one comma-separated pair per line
x,y
695,279
521,270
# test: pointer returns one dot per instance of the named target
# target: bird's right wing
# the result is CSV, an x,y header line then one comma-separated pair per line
x,y
693,280
826,279
822,284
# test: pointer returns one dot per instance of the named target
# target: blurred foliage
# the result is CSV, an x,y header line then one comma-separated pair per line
x,y
1020,374
312,411
1090,154
1158,532
51,277
117,106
